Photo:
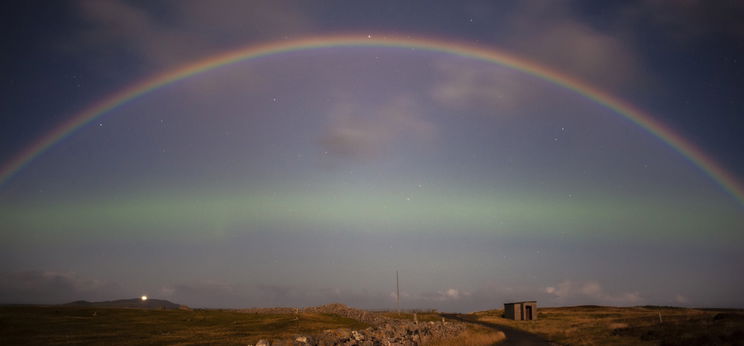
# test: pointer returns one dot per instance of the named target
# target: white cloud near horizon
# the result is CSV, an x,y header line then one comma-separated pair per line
x,y
50,287
590,292
680,299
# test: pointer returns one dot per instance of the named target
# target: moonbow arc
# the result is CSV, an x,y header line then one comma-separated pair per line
x,y
686,148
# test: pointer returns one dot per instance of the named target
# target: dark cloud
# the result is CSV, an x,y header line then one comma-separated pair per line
x,y
552,33
236,295
206,294
213,294
175,32
46,287
686,20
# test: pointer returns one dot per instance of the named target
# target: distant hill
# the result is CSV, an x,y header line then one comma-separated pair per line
x,y
129,303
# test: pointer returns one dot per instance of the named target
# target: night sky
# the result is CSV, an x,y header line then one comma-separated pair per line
x,y
310,176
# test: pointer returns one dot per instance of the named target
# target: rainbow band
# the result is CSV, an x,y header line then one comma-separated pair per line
x,y
725,179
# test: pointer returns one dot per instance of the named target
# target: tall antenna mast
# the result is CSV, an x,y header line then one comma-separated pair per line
x,y
397,292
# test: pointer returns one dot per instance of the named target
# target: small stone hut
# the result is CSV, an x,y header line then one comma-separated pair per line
x,y
521,311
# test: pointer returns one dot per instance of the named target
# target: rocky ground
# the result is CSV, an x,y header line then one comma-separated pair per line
x,y
384,331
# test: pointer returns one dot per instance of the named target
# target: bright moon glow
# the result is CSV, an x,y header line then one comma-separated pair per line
x,y
144,298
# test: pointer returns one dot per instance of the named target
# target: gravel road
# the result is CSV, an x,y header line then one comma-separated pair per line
x,y
513,336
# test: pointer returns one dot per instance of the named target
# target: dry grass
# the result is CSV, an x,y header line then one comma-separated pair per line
x,y
473,336
618,326
421,316
60,325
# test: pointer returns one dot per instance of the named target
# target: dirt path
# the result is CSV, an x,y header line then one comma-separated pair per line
x,y
513,336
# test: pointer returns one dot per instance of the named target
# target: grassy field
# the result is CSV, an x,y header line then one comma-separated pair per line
x,y
67,325
587,325
592,325
473,336
421,316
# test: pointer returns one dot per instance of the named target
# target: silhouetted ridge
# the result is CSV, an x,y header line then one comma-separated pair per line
x,y
129,303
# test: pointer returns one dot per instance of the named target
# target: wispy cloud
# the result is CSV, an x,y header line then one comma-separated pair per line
x,y
467,86
360,132
433,297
